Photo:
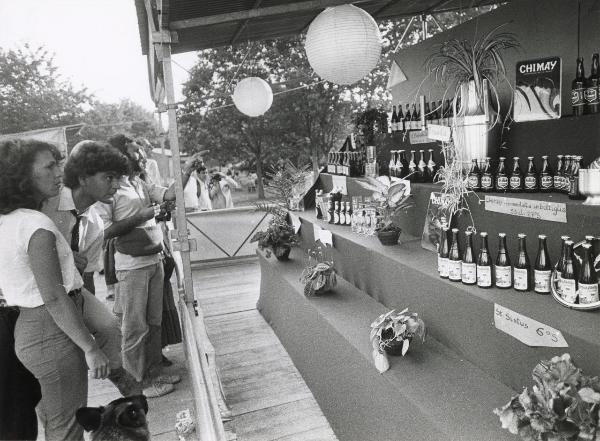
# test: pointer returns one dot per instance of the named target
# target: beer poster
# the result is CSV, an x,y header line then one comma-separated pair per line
x,y
537,92
438,213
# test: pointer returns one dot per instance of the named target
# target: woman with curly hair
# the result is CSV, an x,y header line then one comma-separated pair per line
x,y
38,275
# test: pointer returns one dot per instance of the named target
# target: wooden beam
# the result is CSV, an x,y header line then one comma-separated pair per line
x,y
260,12
164,8
383,8
241,27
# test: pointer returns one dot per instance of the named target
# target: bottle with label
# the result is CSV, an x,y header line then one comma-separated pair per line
x,y
484,263
392,164
487,179
592,100
546,176
401,171
578,90
417,118
469,265
432,167
574,179
428,116
568,277
422,171
560,169
444,253
501,181
330,210
531,177
318,196
560,265
336,213
407,119
591,240
503,267
342,213
542,270
522,270
400,120
474,180
588,280
516,177
455,259
412,168
394,122
565,179
414,118
349,213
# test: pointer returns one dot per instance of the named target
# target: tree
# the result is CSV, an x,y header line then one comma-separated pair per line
x,y
33,95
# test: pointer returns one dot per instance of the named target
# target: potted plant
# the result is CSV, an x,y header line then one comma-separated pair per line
x,y
392,333
319,275
279,237
563,405
391,196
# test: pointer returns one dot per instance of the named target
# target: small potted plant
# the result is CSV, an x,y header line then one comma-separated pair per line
x,y
318,276
279,237
391,196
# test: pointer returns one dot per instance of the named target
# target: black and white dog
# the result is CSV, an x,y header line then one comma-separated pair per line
x,y
122,419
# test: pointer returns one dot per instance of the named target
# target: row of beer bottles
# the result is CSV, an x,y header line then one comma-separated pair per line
x,y
403,121
351,164
564,180
421,171
577,285
585,92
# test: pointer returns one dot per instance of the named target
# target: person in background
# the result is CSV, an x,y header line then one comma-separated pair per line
x,y
91,174
203,194
152,170
38,274
190,193
217,198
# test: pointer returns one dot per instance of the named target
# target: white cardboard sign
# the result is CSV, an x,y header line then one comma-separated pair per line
x,y
295,222
326,237
439,133
527,330
339,182
418,137
542,210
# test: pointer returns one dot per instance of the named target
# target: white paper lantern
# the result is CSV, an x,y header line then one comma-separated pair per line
x,y
253,96
343,44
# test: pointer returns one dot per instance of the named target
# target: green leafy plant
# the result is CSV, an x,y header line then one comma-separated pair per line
x,y
286,182
391,196
279,236
563,405
396,326
318,275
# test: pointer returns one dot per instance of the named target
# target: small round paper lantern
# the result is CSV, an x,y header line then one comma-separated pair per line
x,y
343,44
253,96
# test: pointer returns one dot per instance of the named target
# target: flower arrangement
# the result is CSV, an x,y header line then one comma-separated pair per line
x,y
319,275
279,237
563,405
392,333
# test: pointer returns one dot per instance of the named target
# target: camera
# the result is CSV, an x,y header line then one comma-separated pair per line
x,y
216,177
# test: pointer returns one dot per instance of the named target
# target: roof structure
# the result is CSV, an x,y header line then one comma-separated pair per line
x,y
201,24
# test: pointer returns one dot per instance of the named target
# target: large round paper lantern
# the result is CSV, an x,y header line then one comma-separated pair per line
x,y
253,96
343,44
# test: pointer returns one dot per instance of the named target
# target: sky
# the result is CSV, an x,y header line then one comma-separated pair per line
x,y
96,44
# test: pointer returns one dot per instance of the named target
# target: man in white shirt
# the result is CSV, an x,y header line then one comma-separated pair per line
x,y
152,170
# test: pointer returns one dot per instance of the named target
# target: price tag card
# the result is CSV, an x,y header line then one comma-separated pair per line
x,y
525,329
542,210
418,137
295,222
339,182
439,133
326,237
316,232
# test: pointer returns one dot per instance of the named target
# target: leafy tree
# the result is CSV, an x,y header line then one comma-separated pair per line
x,y
32,93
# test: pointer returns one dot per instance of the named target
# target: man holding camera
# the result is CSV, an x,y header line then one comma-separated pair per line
x,y
130,218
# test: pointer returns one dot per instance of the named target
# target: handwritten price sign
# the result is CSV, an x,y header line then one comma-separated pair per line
x,y
550,211
525,329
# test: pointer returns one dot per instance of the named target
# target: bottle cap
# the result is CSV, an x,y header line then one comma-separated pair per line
x,y
531,157
483,234
590,238
515,157
541,236
455,230
586,245
569,242
565,238
521,235
502,234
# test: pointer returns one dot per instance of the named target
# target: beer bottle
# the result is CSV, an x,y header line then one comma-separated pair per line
x,y
516,177
440,112
542,270
592,100
399,165
428,116
484,263
407,119
330,211
431,166
591,240
501,183
455,259
392,164
487,179
349,213
405,164
531,177
394,122
347,164
400,119
546,177
560,265
558,176
444,252
469,266
422,171
578,90
342,213
318,211
568,277
474,180
412,168
522,270
574,179
415,118
336,213
503,268
588,280
566,177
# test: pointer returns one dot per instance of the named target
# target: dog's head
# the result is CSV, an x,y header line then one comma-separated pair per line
x,y
122,419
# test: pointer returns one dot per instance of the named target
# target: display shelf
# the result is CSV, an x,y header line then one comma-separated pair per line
x,y
461,317
327,337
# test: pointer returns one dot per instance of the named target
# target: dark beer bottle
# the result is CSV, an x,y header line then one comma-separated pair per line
x,y
415,118
568,277
503,267
349,213
484,263
531,177
592,100
474,179
405,165
516,177
542,270
469,265
422,171
444,253
560,265
588,280
330,212
558,176
407,119
431,166
318,196
565,181
501,181
591,240
336,213
522,270
401,170
400,119
578,90
487,179
412,168
428,116
574,179
455,259
440,113
546,176
394,122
